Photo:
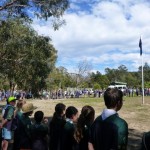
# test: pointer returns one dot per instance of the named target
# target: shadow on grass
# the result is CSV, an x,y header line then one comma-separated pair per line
x,y
134,139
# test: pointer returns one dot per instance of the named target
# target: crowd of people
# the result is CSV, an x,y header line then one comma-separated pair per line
x,y
68,129
70,93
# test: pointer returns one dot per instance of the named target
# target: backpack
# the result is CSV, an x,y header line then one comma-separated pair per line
x,y
13,122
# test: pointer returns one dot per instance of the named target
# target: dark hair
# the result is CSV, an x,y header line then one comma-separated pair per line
x,y
70,111
59,108
38,116
112,96
86,118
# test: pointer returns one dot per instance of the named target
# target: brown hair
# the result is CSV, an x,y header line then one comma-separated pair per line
x,y
112,97
85,120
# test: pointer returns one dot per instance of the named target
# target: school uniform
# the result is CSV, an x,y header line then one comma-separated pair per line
x,y
39,132
68,141
109,131
8,113
83,144
22,134
55,133
16,127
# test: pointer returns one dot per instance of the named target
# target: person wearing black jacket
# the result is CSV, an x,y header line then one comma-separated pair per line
x,y
56,126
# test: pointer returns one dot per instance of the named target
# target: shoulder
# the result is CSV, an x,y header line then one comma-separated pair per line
x,y
96,124
119,121
97,120
68,126
9,108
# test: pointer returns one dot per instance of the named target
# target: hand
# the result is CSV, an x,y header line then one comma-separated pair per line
x,y
45,120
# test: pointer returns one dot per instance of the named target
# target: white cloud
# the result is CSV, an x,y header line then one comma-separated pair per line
x,y
107,35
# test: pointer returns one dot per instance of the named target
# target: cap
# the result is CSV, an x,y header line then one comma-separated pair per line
x,y
11,98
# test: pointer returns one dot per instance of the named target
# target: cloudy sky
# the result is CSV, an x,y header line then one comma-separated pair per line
x,y
105,33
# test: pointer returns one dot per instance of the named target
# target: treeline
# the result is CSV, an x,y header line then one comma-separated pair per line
x,y
60,78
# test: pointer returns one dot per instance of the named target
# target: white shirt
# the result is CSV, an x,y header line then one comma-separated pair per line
x,y
107,112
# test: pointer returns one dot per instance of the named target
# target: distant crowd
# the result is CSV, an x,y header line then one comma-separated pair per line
x,y
68,129
71,93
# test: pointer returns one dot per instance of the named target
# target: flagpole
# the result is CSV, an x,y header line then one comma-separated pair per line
x,y
142,82
140,45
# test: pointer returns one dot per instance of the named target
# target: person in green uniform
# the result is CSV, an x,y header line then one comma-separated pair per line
x,y
15,124
56,126
84,123
39,132
24,122
7,117
109,131
68,141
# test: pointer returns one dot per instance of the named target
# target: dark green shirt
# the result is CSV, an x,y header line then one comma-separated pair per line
x,y
68,140
38,130
111,133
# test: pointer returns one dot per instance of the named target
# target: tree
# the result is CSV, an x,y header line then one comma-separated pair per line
x,y
111,74
59,78
117,74
146,72
43,9
83,69
102,80
26,57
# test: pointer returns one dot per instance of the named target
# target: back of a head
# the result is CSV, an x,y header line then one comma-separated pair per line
x,y
70,111
112,97
20,103
88,114
38,116
60,108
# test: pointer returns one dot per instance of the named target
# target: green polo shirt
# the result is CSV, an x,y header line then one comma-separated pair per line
x,y
111,133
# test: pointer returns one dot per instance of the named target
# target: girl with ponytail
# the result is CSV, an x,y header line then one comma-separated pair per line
x,y
85,120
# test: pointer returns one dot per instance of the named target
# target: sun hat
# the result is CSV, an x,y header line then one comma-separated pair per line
x,y
11,98
28,107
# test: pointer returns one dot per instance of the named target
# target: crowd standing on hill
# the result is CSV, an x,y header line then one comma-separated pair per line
x,y
68,129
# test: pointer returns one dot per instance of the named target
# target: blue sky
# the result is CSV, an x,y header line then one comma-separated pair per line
x,y
105,33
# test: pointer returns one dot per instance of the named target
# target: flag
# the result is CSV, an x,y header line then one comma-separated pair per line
x,y
140,45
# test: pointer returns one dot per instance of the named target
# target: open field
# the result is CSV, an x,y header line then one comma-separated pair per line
x,y
133,111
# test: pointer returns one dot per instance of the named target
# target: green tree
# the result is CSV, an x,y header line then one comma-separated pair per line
x,y
102,80
117,74
43,9
146,72
26,57
96,86
60,78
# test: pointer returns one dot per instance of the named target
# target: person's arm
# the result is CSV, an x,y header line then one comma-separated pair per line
x,y
4,122
123,136
90,146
